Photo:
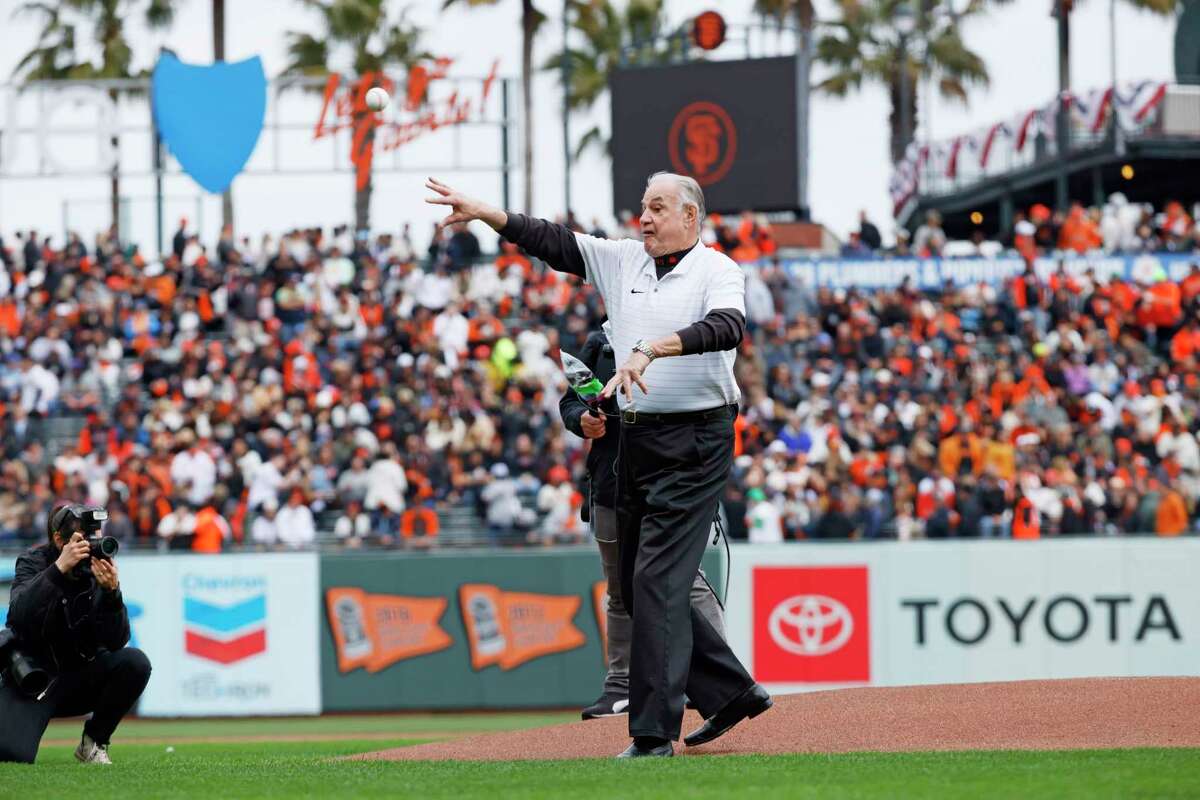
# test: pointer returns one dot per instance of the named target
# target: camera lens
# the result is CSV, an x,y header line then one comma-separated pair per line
x,y
105,547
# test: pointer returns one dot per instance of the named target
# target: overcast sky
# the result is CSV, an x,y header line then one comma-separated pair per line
x,y
849,136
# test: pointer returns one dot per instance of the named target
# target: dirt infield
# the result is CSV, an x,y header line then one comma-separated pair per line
x,y
1025,715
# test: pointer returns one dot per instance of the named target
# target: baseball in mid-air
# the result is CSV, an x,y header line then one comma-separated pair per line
x,y
377,99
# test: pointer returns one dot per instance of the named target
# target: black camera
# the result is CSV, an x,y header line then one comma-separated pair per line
x,y
88,520
104,547
17,668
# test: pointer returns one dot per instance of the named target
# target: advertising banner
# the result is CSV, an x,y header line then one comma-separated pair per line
x,y
226,635
461,630
933,273
374,631
812,616
706,120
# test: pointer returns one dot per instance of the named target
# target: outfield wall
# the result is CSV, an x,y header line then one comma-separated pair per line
x,y
823,616
513,629
299,633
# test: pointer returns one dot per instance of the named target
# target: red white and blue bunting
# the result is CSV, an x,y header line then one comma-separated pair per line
x,y
976,153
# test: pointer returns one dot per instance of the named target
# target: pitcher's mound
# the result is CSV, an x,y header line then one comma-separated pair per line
x,y
1027,715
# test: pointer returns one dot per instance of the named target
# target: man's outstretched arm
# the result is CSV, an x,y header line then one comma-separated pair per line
x,y
464,209
553,243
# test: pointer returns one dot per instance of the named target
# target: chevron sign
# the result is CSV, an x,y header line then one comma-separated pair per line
x,y
225,634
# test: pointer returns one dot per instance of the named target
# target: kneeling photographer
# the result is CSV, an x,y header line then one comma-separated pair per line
x,y
63,653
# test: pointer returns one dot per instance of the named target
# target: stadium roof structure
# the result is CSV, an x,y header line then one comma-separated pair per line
x,y
1141,140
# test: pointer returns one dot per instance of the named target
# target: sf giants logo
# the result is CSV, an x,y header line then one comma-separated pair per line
x,y
702,142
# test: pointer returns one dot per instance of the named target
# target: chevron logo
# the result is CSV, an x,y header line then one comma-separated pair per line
x,y
225,634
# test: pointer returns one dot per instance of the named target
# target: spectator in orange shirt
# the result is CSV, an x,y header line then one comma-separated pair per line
x,y
1025,288
961,451
419,526
1185,343
1171,518
1079,232
1023,241
1000,456
510,255
1177,225
1027,522
1124,297
1164,302
1190,285
212,530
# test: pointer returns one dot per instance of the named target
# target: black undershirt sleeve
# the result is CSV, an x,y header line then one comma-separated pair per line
x,y
721,329
553,243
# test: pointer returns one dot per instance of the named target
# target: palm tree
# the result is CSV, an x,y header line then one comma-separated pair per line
x,y
802,10
862,47
606,35
363,30
55,56
531,20
218,23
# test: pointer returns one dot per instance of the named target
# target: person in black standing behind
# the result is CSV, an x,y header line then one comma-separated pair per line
x,y
600,508
868,234
671,300
31,252
180,240
462,249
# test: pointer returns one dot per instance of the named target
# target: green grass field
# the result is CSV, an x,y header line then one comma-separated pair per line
x,y
270,762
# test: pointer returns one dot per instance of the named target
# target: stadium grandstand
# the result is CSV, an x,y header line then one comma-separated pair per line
x,y
314,389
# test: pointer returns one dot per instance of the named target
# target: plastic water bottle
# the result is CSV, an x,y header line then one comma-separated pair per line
x,y
585,384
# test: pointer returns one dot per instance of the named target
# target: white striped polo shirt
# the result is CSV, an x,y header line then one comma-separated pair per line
x,y
640,306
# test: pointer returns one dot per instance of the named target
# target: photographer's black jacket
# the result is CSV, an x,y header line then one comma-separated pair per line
x,y
43,600
602,459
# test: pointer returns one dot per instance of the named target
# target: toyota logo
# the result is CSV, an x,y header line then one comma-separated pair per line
x,y
810,625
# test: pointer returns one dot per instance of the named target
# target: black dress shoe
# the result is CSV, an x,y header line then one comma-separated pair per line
x,y
747,705
635,750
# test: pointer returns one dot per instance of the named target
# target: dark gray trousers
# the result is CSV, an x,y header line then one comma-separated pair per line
x,y
106,687
671,479
620,625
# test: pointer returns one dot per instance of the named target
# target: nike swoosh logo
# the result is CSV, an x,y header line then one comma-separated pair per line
x,y
621,705
635,291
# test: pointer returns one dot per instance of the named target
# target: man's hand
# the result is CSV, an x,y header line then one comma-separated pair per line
x,y
464,208
106,573
592,424
72,553
629,373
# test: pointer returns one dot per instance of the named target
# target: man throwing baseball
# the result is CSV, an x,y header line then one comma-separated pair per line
x,y
675,302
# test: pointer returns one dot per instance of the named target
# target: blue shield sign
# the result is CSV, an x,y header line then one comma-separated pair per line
x,y
210,117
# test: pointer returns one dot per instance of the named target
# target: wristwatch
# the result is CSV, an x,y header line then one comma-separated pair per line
x,y
645,349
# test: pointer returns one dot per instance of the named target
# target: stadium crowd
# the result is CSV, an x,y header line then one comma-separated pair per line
x,y
258,392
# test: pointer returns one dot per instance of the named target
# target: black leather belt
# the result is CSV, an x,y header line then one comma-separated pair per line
x,y
632,417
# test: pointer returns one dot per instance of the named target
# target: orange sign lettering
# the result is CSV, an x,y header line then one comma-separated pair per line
x,y
345,108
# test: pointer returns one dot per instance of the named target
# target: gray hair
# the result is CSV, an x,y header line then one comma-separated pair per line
x,y
690,193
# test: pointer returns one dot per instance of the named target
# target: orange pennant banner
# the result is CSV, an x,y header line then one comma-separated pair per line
x,y
377,630
511,628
